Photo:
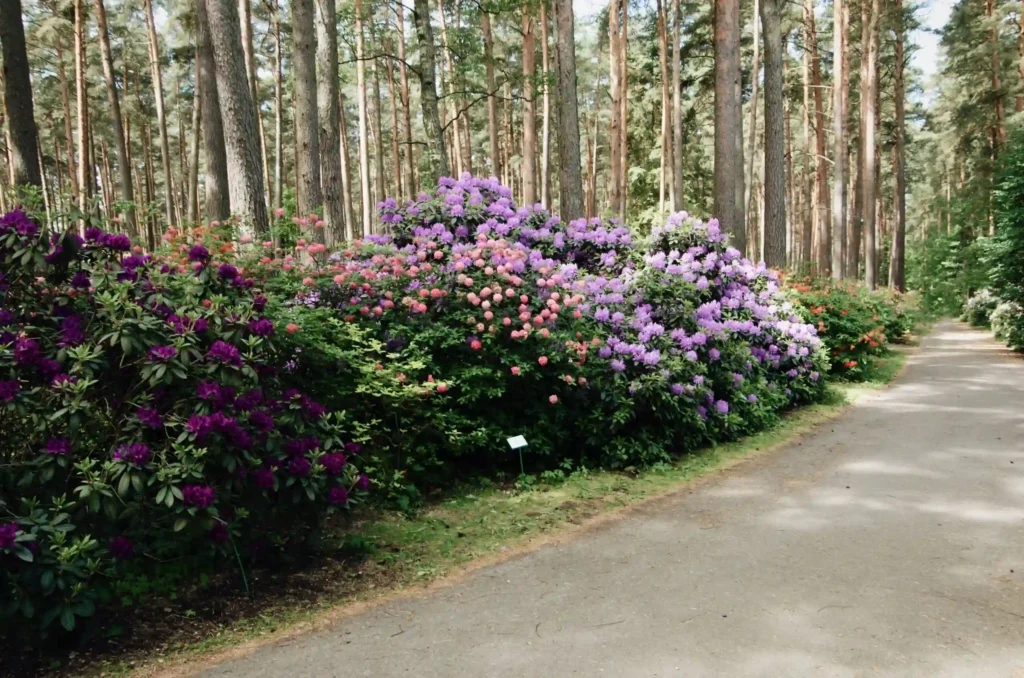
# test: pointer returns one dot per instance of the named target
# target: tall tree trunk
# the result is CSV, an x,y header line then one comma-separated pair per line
x,y
304,98
838,145
453,116
69,137
506,111
364,150
215,177
755,73
238,116
245,23
410,162
161,120
396,158
677,109
570,181
117,124
774,137
492,98
328,120
378,136
529,154
665,181
623,44
997,85
729,122
1020,60
278,107
193,163
821,217
869,88
18,96
616,201
82,100
545,134
808,236
791,248
346,172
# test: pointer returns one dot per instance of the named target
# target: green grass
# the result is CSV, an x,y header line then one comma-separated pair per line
x,y
481,524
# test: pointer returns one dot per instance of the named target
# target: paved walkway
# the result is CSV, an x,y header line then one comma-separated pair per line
x,y
888,543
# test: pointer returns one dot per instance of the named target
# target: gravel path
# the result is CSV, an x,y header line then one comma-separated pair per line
x,y
890,542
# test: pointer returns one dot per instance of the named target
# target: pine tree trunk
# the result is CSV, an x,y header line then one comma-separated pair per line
x,y
545,134
346,172
997,85
822,220
364,149
18,97
869,89
378,136
69,137
570,180
117,124
396,156
410,162
774,137
615,198
492,99
193,162
238,117
82,100
665,181
755,72
677,110
624,103
161,120
447,91
529,154
304,99
1020,62
791,258
506,111
728,113
809,237
838,145
215,177
328,121
278,107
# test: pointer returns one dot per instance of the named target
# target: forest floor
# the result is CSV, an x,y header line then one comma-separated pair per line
x,y
888,541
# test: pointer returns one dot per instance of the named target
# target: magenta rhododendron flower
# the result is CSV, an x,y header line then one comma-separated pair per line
x,y
8,533
199,496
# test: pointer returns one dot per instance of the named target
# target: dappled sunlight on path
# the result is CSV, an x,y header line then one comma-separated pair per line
x,y
889,542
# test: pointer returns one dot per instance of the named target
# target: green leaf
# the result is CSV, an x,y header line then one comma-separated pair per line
x,y
180,524
67,619
23,553
123,485
46,581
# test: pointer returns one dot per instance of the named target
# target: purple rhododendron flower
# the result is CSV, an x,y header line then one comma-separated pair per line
x,y
337,496
8,389
26,351
149,417
299,467
263,327
207,390
224,352
227,272
162,353
363,483
116,241
198,253
722,406
263,478
353,448
333,463
92,234
8,533
261,421
121,548
676,389
219,533
80,280
72,331
137,454
751,398
58,446
259,303
200,496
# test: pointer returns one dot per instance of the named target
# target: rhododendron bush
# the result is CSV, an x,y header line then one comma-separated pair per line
x,y
597,348
145,417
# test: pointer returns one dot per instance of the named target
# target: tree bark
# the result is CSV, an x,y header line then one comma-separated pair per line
x,y
529,154
378,136
755,72
545,134
447,89
897,257
238,116
364,149
20,114
215,177
69,137
117,124
245,22
161,119
869,88
346,172
677,110
82,101
492,98
304,98
838,145
624,103
570,180
665,181
278,107
728,113
396,157
410,162
616,201
774,137
822,224
193,163
997,85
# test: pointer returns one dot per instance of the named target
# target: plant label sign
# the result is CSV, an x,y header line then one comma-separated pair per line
x,y
516,442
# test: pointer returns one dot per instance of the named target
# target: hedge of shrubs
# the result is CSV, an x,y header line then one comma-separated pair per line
x,y
216,400
856,324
